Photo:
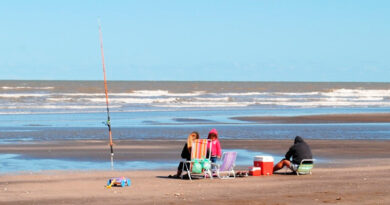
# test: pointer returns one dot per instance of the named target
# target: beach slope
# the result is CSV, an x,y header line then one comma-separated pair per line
x,y
356,172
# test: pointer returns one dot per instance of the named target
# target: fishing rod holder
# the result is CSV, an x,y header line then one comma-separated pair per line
x,y
107,123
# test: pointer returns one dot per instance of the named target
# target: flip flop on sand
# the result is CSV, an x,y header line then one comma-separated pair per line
x,y
242,174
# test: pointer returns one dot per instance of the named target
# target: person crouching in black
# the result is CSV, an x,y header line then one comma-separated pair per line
x,y
299,151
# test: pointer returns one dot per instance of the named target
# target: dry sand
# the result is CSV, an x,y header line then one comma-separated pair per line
x,y
357,172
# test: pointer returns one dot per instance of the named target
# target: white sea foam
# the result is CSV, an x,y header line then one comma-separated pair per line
x,y
356,93
204,99
59,99
357,99
37,102
78,107
296,94
138,93
149,93
158,93
132,100
81,94
26,88
240,94
19,95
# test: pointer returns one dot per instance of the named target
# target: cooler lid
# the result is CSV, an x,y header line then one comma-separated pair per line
x,y
254,168
264,158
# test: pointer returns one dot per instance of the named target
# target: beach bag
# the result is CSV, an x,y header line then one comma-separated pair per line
x,y
196,167
206,164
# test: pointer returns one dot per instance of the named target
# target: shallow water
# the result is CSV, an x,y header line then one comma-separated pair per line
x,y
371,131
20,163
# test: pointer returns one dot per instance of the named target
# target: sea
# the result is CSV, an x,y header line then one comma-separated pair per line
x,y
37,111
72,110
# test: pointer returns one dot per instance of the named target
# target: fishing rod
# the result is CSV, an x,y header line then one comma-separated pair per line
x,y
108,123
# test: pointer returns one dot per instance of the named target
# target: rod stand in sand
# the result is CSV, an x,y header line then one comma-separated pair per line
x,y
108,123
112,161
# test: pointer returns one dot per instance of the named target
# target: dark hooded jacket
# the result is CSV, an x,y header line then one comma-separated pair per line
x,y
300,150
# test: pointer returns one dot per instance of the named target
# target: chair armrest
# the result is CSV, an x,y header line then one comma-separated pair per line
x,y
307,160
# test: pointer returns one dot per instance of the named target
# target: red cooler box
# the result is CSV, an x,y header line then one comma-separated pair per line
x,y
254,171
266,163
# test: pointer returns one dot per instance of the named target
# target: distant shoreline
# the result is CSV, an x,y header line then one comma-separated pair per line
x,y
319,119
195,81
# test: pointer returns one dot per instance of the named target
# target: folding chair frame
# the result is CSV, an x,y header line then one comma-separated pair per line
x,y
304,168
188,169
229,172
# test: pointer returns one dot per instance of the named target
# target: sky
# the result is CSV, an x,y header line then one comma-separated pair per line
x,y
259,40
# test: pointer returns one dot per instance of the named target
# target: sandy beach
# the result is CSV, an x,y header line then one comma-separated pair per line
x,y
355,172
252,77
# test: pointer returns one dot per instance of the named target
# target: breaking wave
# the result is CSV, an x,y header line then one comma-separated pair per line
x,y
35,100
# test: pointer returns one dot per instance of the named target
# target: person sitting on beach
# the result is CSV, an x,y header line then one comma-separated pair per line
x,y
186,153
299,151
215,146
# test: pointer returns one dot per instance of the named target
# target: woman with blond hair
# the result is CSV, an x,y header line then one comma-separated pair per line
x,y
186,153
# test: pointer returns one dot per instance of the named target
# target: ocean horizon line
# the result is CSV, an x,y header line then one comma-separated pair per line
x,y
192,81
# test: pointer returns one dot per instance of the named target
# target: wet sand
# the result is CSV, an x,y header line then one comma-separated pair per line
x,y
356,172
315,119
127,150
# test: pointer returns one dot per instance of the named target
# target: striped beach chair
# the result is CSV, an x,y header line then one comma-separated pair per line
x,y
200,155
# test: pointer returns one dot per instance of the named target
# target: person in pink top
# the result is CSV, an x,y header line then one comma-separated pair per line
x,y
215,146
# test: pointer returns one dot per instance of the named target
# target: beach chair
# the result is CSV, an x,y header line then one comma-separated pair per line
x,y
226,169
305,167
199,157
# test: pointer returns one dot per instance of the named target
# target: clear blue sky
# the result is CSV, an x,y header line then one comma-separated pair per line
x,y
270,40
